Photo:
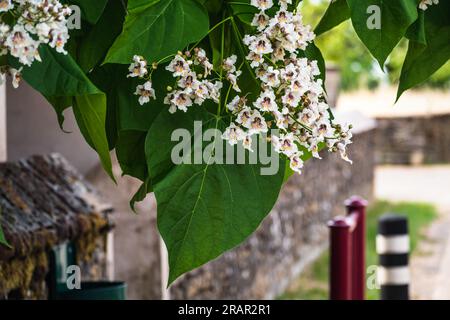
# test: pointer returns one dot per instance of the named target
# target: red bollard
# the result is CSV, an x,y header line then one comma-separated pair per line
x,y
340,259
356,206
347,252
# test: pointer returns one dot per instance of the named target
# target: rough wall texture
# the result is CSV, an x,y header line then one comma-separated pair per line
x,y
413,140
293,234
44,203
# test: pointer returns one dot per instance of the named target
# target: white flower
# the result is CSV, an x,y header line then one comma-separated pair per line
x,y
229,64
233,105
201,93
282,120
286,144
145,92
16,77
256,59
284,4
262,4
257,123
291,98
214,90
296,162
343,151
178,66
233,134
189,82
138,68
181,100
247,142
232,77
168,100
314,148
271,77
58,39
266,101
278,52
6,5
22,45
261,45
423,5
260,20
243,118
202,59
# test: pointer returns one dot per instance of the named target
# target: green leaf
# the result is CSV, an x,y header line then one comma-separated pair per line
x,y
337,12
395,16
91,10
157,29
204,209
94,46
416,31
130,150
422,61
90,113
58,77
144,189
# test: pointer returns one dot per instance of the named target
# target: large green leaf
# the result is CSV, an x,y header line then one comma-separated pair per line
x,y
130,150
416,31
90,113
155,29
395,18
337,12
58,77
204,209
93,47
141,193
422,61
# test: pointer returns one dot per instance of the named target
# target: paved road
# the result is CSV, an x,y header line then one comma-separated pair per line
x,y
425,183
430,268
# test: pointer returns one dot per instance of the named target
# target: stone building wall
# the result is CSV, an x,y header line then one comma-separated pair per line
x,y
292,236
413,140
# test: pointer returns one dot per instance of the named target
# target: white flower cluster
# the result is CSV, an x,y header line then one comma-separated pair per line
x,y
191,86
190,71
291,100
35,22
292,97
423,5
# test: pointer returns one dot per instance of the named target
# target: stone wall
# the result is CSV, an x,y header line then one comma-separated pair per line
x,y
413,140
292,236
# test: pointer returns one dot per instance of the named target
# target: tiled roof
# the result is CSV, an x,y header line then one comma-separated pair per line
x,y
44,201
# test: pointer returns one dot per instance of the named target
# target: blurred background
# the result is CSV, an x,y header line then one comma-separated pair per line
x,y
401,156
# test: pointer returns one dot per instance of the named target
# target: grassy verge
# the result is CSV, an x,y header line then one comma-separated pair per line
x,y
313,283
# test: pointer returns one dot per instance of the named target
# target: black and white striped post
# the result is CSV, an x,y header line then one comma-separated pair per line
x,y
393,249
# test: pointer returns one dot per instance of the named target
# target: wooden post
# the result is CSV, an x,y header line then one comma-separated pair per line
x,y
3,154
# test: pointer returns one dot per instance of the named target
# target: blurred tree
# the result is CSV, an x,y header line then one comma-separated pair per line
x,y
342,47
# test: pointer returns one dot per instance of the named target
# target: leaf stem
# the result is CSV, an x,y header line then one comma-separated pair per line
x,y
211,30
222,49
241,4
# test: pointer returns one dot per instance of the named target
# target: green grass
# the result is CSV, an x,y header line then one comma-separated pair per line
x,y
313,283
